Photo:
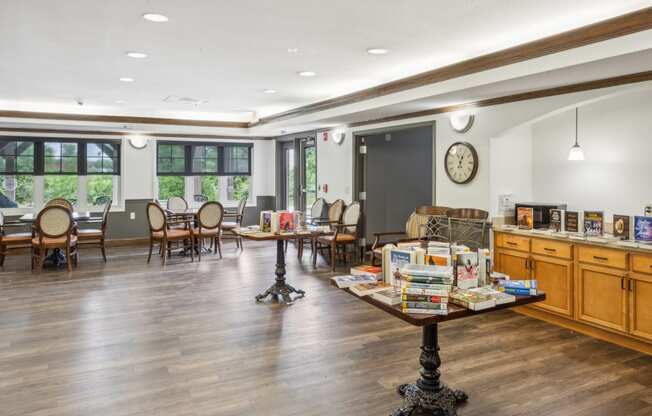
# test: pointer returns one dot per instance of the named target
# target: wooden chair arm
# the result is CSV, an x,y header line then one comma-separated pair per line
x,y
386,233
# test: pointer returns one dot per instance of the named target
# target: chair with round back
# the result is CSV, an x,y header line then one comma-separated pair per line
x,y
346,233
209,221
200,198
238,216
60,201
177,204
317,209
161,232
97,236
54,230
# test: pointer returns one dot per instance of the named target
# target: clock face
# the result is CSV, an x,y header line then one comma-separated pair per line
x,y
461,162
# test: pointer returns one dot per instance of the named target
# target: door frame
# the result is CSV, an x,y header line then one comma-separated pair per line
x,y
360,167
305,143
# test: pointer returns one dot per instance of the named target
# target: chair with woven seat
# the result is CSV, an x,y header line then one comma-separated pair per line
x,y
60,201
318,213
209,219
345,233
10,241
161,230
54,229
97,236
238,216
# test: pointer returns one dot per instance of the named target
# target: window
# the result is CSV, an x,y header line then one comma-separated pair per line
x,y
219,171
35,170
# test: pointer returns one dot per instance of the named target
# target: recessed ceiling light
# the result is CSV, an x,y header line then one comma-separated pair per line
x,y
120,101
137,55
377,51
155,17
307,73
127,79
269,91
293,50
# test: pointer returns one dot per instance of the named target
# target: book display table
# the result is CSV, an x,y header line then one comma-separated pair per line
x,y
429,396
280,288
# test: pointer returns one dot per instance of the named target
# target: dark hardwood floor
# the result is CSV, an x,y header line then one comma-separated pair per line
x,y
127,338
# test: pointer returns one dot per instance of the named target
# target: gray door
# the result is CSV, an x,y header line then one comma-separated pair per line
x,y
399,166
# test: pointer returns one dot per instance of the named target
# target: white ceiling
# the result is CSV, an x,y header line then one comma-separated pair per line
x,y
228,52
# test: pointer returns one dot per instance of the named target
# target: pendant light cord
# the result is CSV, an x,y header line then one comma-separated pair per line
x,y
576,117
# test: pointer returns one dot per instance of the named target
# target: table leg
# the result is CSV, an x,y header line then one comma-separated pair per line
x,y
280,288
428,396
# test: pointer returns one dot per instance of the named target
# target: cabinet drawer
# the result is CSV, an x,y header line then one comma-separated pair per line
x,y
552,248
603,256
642,263
513,242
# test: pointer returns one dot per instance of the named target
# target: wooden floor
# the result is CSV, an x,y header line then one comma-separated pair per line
x,y
127,338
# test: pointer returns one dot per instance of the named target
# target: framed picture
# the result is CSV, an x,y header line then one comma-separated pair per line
x,y
643,229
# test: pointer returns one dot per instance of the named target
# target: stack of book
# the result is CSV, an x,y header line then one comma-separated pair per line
x,y
425,289
472,300
518,287
375,271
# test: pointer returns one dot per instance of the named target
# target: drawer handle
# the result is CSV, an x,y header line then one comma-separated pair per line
x,y
511,243
601,258
552,250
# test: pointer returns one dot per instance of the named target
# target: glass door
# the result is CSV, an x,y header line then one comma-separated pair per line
x,y
289,173
308,174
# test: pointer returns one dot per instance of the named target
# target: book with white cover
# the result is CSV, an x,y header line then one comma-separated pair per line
x,y
426,270
348,280
388,296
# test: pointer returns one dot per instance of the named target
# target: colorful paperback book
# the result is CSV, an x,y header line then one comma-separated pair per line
x,y
593,223
643,229
426,292
471,300
437,259
467,270
424,305
425,298
266,221
397,260
388,296
427,280
364,289
525,218
286,221
364,269
621,227
519,284
427,270
519,291
557,220
418,311
348,280
500,297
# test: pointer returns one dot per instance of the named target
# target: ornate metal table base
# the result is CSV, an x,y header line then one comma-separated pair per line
x,y
280,288
429,397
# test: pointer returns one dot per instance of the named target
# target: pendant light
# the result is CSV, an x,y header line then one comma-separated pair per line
x,y
576,152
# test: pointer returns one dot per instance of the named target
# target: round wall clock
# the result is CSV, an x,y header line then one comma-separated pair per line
x,y
461,162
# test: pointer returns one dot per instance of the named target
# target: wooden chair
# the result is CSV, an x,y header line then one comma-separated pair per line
x,y
12,240
345,233
177,204
60,201
318,213
89,236
160,231
54,230
467,213
209,221
237,217
415,229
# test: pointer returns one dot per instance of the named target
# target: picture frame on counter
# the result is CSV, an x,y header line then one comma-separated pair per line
x,y
593,223
621,226
572,221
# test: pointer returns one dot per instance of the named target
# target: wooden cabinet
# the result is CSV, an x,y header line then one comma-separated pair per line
x,y
640,306
607,257
554,277
601,296
512,242
512,263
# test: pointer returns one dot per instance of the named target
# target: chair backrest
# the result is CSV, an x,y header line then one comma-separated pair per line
x,y
54,221
432,210
101,200
241,209
468,213
105,213
317,209
199,198
210,215
335,210
60,201
351,216
156,217
176,203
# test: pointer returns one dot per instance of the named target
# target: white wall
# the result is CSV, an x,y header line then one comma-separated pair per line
x,y
335,166
616,175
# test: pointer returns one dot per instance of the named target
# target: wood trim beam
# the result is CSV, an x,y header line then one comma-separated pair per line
x,y
30,130
626,24
122,119
530,95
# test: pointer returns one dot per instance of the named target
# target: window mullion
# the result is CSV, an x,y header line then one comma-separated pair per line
x,y
39,183
82,193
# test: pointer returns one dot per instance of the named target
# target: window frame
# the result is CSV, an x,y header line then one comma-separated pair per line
x,y
188,154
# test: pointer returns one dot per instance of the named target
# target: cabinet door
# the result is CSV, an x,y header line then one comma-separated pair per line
x,y
512,263
555,278
640,307
602,297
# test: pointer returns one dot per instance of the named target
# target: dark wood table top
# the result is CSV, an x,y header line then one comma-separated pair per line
x,y
76,216
261,236
454,311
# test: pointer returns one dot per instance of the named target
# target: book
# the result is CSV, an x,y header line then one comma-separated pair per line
x,y
396,259
557,220
519,292
500,297
467,270
425,311
431,259
593,223
389,296
347,280
525,218
299,219
621,227
424,305
286,221
643,229
266,221
519,284
424,298
364,289
365,269
427,270
484,266
427,280
572,220
425,292
471,300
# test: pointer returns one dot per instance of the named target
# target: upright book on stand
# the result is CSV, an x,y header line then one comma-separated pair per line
x,y
593,223
621,227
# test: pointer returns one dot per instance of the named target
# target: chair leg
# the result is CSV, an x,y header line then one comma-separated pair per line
x,y
2,254
192,249
68,259
314,254
165,249
151,247
219,245
103,249
200,245
333,255
41,258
